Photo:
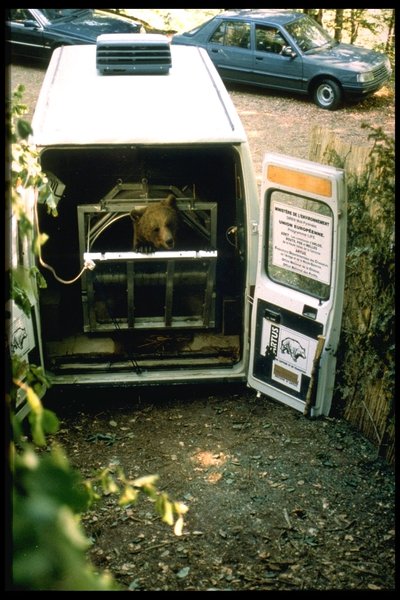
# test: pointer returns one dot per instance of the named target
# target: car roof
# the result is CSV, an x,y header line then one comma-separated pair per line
x,y
278,16
79,106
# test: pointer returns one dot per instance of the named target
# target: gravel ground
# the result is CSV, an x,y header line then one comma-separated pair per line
x,y
283,123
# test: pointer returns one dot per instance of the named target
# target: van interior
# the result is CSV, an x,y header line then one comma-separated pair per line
x,y
146,312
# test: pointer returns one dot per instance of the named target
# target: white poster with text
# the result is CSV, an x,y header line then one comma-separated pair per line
x,y
302,241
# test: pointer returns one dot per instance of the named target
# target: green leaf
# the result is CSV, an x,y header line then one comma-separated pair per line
x,y
50,421
20,298
24,129
62,485
129,496
22,280
47,197
37,429
40,280
16,428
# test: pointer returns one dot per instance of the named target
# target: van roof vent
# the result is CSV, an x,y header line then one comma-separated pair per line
x,y
133,53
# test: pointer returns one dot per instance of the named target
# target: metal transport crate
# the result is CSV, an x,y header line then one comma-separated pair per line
x,y
164,289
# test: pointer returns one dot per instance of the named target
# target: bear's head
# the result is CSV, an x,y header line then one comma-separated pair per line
x,y
156,225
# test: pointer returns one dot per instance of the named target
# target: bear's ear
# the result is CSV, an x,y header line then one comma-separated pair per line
x,y
170,201
136,213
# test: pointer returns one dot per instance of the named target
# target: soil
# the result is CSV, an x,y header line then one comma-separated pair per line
x,y
275,501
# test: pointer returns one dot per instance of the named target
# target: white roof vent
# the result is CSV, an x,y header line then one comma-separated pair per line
x,y
133,53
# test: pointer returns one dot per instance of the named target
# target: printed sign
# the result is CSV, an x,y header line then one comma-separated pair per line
x,y
302,241
292,353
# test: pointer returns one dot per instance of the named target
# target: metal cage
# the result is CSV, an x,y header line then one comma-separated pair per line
x,y
164,289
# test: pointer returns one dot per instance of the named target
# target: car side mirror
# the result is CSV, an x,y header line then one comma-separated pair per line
x,y
287,51
31,24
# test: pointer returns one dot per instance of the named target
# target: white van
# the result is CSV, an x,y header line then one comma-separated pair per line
x,y
252,293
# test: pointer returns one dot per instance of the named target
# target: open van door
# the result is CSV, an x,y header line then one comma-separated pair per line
x,y
298,300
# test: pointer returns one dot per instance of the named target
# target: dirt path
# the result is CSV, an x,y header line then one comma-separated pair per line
x,y
276,501
283,123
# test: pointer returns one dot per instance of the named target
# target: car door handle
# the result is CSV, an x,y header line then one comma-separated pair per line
x,y
272,315
259,58
310,312
215,50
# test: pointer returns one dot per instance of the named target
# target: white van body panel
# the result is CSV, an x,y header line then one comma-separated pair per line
x,y
119,109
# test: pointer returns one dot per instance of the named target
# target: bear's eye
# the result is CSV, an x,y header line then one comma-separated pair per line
x,y
156,229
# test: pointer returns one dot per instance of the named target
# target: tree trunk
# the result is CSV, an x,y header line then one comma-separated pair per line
x,y
339,24
355,16
390,37
316,14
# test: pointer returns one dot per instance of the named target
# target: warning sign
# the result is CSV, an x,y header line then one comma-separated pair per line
x,y
302,241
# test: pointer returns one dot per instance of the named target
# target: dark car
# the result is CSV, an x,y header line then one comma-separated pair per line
x,y
288,50
36,32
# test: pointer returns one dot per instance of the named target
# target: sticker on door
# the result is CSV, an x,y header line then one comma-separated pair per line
x,y
292,353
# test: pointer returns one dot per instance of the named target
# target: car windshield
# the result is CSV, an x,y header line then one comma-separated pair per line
x,y
58,14
309,35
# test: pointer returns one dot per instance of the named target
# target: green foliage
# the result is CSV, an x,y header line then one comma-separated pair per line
x,y
26,176
27,184
371,241
365,378
49,544
23,285
114,481
368,354
33,382
49,497
20,296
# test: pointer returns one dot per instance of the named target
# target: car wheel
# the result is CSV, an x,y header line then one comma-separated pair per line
x,y
327,94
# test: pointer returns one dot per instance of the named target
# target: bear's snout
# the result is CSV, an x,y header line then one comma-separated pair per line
x,y
156,226
163,237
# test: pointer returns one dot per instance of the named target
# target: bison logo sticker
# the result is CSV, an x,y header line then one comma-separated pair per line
x,y
18,339
21,337
294,348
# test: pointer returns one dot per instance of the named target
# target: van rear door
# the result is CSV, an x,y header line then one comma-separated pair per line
x,y
298,300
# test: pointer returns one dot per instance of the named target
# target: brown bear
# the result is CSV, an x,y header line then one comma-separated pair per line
x,y
155,225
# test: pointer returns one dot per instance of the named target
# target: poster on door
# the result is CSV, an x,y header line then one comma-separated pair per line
x,y
302,241
292,353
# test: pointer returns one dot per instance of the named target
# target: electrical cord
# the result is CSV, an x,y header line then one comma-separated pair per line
x,y
88,264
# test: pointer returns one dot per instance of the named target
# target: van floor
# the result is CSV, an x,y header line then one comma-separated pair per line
x,y
151,349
